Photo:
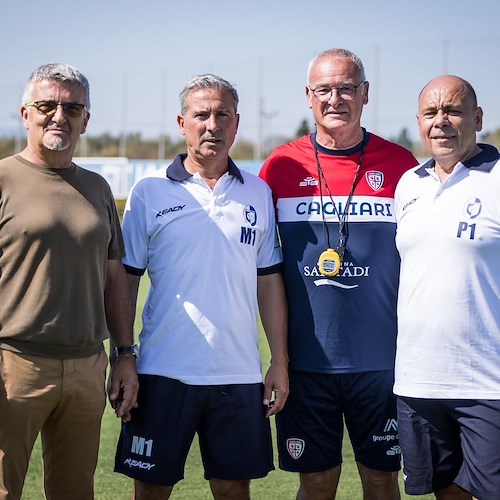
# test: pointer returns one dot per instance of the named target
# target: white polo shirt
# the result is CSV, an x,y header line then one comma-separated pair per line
x,y
448,237
202,249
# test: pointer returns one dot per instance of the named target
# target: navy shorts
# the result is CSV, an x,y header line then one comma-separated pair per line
x,y
311,426
233,432
446,441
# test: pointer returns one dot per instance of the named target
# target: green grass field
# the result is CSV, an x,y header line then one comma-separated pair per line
x,y
278,485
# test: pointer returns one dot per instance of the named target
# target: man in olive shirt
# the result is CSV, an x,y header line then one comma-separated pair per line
x,y
63,290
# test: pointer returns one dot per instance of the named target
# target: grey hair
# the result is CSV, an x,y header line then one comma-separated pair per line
x,y
59,72
337,54
207,81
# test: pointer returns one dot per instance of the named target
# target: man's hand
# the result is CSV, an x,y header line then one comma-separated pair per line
x,y
276,382
123,386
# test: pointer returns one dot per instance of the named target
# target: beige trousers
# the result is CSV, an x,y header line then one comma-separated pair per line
x,y
64,399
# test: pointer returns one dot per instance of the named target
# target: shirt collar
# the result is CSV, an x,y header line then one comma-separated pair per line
x,y
483,161
342,152
176,171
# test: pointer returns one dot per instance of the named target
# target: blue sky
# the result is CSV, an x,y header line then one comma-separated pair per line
x,y
138,54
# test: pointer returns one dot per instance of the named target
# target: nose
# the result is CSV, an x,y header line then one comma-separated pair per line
x,y
334,96
441,118
212,123
59,116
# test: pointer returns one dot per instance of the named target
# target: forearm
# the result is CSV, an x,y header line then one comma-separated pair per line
x,y
274,315
122,382
118,305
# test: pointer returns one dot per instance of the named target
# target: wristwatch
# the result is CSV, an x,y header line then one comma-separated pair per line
x,y
126,349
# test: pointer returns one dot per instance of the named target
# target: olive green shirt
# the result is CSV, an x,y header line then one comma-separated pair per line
x,y
58,228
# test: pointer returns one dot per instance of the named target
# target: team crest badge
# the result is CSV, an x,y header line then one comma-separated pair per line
x,y
375,179
473,207
250,215
295,447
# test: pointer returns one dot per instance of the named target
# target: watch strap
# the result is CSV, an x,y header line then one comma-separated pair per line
x,y
126,349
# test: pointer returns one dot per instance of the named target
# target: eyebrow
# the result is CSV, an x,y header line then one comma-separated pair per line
x,y
444,107
339,84
205,110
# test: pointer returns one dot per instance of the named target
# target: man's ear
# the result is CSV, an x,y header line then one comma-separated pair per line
x,y
24,117
180,122
85,123
309,96
366,88
479,119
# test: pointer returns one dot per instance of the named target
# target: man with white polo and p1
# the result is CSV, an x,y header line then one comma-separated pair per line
x,y
447,374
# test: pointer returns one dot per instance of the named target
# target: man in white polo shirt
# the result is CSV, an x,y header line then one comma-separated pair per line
x,y
205,232
448,349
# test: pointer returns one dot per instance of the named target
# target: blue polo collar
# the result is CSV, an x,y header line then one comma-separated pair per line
x,y
483,162
176,171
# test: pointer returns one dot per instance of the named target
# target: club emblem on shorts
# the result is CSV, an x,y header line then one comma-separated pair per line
x,y
295,447
250,215
375,179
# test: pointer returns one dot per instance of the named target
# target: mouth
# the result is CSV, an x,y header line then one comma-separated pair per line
x,y
335,112
57,131
441,137
212,140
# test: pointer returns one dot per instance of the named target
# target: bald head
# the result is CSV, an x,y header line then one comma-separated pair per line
x,y
451,82
449,118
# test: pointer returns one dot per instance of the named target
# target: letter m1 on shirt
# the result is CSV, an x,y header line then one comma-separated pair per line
x,y
248,235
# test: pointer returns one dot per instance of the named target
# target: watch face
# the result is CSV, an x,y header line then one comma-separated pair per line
x,y
329,262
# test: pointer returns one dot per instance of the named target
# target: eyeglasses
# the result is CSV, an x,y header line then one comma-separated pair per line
x,y
49,108
347,92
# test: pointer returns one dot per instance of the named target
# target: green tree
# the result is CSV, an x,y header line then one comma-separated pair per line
x,y
242,150
403,139
303,129
11,145
492,138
